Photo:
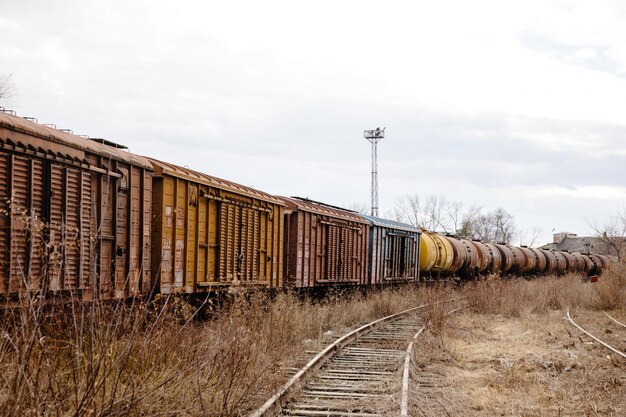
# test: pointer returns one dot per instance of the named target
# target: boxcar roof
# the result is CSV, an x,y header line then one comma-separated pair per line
x,y
52,136
201,178
320,208
392,224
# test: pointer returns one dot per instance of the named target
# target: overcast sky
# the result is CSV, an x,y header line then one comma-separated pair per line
x,y
519,105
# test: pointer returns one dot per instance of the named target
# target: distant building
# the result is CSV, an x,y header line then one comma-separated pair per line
x,y
558,237
571,242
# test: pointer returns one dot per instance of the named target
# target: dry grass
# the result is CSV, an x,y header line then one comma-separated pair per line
x,y
511,352
519,297
100,358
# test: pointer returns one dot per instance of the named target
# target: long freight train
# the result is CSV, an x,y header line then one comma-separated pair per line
x,y
84,215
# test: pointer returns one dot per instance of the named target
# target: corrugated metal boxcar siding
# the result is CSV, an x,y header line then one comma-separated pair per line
x,y
17,241
203,241
81,212
45,208
322,250
394,255
53,223
4,225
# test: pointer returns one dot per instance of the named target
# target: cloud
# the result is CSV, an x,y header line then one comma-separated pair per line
x,y
486,102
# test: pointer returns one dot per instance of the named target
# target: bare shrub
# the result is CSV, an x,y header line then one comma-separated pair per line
x,y
72,357
519,297
435,316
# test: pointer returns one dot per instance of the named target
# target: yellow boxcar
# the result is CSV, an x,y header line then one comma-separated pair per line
x,y
209,233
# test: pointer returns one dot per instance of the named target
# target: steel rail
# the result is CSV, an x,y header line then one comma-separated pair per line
x,y
612,318
404,404
611,348
274,404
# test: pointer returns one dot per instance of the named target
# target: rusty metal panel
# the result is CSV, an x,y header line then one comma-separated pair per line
x,y
192,248
376,257
213,237
69,184
214,250
148,284
507,256
158,235
597,265
460,256
551,261
86,232
484,256
529,261
325,245
36,224
201,237
473,260
571,261
71,228
5,224
166,238
392,251
18,243
540,261
577,265
46,141
46,229
518,263
56,230
229,242
600,263
106,239
584,263
180,235
561,265
165,168
135,226
495,258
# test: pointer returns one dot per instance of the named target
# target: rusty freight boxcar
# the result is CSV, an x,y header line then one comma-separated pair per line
x,y
393,251
74,213
209,233
324,245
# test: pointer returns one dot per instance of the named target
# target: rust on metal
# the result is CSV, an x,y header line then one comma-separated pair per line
x,y
393,251
209,232
325,245
78,207
461,256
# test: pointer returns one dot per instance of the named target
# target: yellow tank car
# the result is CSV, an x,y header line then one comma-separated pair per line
x,y
436,254
428,252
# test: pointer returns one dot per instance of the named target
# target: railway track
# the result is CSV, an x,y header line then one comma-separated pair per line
x,y
358,375
602,342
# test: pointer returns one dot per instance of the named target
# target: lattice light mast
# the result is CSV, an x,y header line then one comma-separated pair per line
x,y
374,136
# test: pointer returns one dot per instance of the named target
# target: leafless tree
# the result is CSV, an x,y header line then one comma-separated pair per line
x,y
434,209
612,234
427,213
434,213
407,209
358,207
463,222
6,88
495,227
529,237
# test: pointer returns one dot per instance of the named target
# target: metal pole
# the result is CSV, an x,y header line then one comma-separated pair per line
x,y
374,179
374,136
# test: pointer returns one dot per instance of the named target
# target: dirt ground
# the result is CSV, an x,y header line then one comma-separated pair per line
x,y
538,365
